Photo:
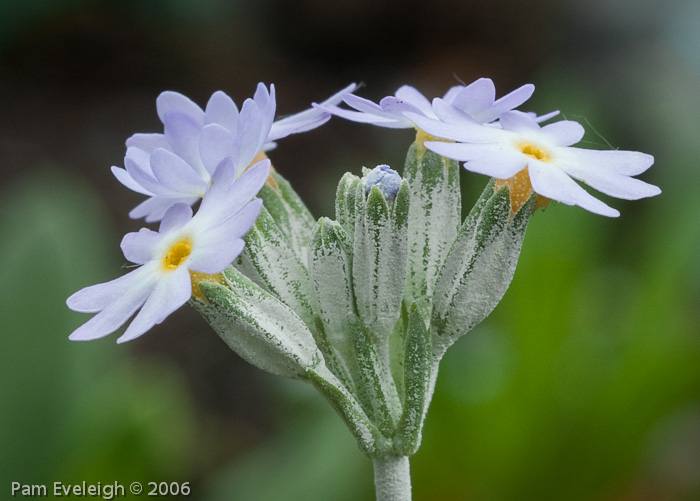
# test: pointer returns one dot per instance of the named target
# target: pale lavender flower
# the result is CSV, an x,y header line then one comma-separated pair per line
x,y
170,258
177,166
546,152
477,99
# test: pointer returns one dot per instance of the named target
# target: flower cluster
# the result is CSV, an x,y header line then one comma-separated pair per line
x,y
216,155
363,306
491,138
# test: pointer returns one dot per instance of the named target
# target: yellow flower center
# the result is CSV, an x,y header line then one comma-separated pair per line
x,y
519,185
535,152
177,254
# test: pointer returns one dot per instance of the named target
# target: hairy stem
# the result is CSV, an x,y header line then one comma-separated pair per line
x,y
392,478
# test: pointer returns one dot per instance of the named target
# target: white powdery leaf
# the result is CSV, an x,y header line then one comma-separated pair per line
x,y
379,264
330,270
434,220
271,263
478,270
289,212
259,327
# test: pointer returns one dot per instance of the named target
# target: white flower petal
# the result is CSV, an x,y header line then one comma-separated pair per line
x,y
141,158
117,312
147,142
123,177
227,195
175,174
545,117
172,290
138,247
360,117
606,180
175,218
451,93
551,182
170,101
154,208
147,180
455,125
183,133
216,144
475,97
363,105
506,103
491,169
252,133
564,132
520,122
494,160
96,297
355,116
307,119
337,97
266,102
626,188
222,181
626,163
217,246
396,107
281,129
218,258
300,122
416,98
222,110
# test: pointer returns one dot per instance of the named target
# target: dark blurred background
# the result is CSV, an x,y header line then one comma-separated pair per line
x,y
583,385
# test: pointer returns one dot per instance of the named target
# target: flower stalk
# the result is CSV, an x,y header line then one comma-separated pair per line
x,y
392,478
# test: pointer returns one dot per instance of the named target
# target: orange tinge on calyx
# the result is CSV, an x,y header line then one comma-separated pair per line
x,y
259,158
198,277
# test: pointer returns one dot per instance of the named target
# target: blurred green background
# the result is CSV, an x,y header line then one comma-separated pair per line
x,y
583,385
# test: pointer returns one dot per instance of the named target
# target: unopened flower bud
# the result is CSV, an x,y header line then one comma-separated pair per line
x,y
386,179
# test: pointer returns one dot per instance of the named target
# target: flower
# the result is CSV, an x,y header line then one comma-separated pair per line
x,y
177,166
476,99
184,251
539,159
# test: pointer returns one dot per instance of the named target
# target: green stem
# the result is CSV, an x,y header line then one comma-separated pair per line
x,y
392,478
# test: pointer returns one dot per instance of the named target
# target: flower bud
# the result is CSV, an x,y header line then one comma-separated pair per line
x,y
386,179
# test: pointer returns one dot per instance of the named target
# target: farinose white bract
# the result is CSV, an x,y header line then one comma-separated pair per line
x,y
478,100
546,152
176,166
206,243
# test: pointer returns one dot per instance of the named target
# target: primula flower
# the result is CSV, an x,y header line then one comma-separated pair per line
x,y
540,159
174,259
478,100
177,166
